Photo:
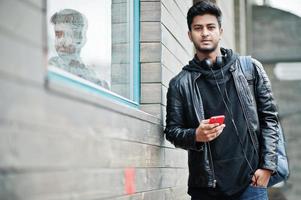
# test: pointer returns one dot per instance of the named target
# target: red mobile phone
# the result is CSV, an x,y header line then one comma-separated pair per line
x,y
217,119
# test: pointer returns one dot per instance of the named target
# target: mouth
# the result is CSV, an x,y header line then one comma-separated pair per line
x,y
64,49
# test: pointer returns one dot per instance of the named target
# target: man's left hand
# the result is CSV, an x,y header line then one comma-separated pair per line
x,y
261,177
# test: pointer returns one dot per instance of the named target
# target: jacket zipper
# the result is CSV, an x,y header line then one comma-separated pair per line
x,y
208,143
212,166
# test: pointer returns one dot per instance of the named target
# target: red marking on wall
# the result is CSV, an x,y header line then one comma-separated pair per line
x,y
129,175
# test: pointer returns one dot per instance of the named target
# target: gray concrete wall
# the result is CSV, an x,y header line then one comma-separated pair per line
x,y
121,59
66,143
276,35
151,57
227,7
177,49
165,50
288,97
240,19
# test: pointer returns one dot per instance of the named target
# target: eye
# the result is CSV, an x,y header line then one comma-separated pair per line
x,y
211,28
59,34
197,28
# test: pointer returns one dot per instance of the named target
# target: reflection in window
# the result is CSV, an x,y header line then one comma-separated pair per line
x,y
121,48
93,41
70,28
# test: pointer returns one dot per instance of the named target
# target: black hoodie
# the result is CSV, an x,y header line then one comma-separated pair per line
x,y
226,150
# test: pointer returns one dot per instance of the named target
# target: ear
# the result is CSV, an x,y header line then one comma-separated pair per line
x,y
221,31
189,35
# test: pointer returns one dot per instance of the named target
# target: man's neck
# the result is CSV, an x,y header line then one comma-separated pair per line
x,y
71,60
210,55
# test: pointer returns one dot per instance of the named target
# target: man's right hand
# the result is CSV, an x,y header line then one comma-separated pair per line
x,y
207,132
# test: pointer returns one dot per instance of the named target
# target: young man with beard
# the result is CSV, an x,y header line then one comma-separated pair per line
x,y
235,159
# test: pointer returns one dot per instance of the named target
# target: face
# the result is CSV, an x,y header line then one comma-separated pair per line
x,y
67,41
205,33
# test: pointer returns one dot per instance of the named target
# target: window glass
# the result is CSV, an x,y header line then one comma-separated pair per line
x,y
92,42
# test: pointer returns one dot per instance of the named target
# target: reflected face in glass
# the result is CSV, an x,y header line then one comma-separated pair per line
x,y
68,41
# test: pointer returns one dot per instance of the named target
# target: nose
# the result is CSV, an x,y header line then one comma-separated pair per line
x,y
205,32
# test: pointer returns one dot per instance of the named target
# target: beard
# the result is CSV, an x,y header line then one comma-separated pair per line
x,y
205,49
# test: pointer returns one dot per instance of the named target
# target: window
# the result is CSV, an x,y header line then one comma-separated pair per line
x,y
95,44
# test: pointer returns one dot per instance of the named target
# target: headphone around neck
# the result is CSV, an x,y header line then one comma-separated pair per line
x,y
219,61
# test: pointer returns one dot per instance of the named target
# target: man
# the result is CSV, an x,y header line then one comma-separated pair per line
x,y
233,160
70,28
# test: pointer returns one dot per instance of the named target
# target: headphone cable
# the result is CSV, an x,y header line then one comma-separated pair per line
x,y
230,113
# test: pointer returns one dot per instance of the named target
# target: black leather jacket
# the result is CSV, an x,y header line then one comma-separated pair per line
x,y
185,112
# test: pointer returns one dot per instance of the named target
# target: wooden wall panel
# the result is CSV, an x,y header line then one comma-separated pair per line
x,y
62,142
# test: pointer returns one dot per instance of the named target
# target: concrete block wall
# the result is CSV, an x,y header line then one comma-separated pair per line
x,y
165,49
288,98
279,39
62,142
228,38
177,49
150,57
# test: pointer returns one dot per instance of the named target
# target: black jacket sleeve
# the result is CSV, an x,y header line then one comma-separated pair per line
x,y
176,130
268,118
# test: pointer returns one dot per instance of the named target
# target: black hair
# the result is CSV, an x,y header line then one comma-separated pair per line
x,y
69,16
201,8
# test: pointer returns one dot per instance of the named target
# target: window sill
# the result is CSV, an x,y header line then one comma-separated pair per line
x,y
94,97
